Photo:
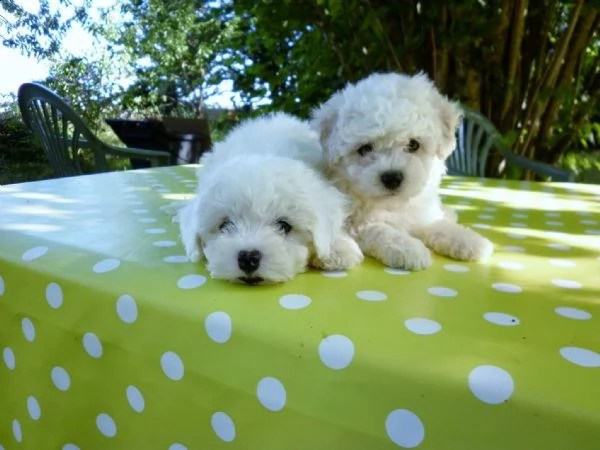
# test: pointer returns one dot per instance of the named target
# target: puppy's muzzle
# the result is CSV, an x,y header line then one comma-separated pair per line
x,y
391,179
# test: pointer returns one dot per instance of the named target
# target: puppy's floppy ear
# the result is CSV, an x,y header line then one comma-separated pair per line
x,y
187,216
450,116
323,119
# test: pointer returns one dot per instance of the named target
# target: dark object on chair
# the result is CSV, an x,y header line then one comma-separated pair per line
x,y
477,138
63,133
184,139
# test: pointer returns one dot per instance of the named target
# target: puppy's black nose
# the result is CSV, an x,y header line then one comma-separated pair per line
x,y
392,179
249,261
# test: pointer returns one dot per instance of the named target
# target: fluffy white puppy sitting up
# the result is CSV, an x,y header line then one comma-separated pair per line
x,y
386,139
262,212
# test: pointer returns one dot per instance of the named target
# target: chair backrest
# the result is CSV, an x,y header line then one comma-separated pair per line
x,y
60,130
475,138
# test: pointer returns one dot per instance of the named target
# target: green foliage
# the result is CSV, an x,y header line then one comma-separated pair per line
x,y
38,33
21,158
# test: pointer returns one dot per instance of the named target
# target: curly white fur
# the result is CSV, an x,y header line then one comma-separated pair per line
x,y
408,129
263,176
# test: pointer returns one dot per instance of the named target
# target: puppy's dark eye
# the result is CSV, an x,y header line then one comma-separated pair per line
x,y
283,226
364,149
413,146
226,226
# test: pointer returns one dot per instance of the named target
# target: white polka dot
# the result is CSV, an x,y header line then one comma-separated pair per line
x,y
165,244
592,232
70,447
562,263
1,285
486,217
172,365
516,236
28,329
568,284
514,248
9,358
481,226
583,213
16,429
463,202
371,296
155,230
147,220
135,398
554,223
404,428
573,313
176,259
223,426
510,265
271,394
191,281
106,425
92,345
419,325
456,268
491,384
33,407
334,273
295,301
61,379
34,253
581,356
106,265
177,446
490,209
505,287
505,320
588,222
140,211
552,214
54,295
218,326
518,225
556,246
393,271
442,291
336,351
520,216
127,308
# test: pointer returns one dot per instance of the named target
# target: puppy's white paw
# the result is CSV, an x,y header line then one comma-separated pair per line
x,y
345,254
411,255
195,255
460,243
471,247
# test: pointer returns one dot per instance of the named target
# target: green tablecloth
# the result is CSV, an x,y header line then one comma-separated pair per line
x,y
110,339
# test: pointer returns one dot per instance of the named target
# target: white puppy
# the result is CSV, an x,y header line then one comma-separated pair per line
x,y
263,212
386,139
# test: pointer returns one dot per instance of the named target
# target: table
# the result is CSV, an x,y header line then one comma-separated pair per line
x,y
110,339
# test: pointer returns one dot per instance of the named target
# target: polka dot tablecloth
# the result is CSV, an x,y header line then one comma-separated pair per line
x,y
111,339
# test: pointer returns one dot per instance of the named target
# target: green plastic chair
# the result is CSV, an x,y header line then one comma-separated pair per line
x,y
63,133
477,138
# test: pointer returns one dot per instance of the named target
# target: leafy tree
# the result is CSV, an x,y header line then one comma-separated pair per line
x,y
38,33
532,67
175,50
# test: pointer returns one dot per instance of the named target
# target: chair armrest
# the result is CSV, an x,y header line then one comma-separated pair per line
x,y
541,168
158,155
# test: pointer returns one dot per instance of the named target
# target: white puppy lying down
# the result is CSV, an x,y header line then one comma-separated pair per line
x,y
386,139
263,212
